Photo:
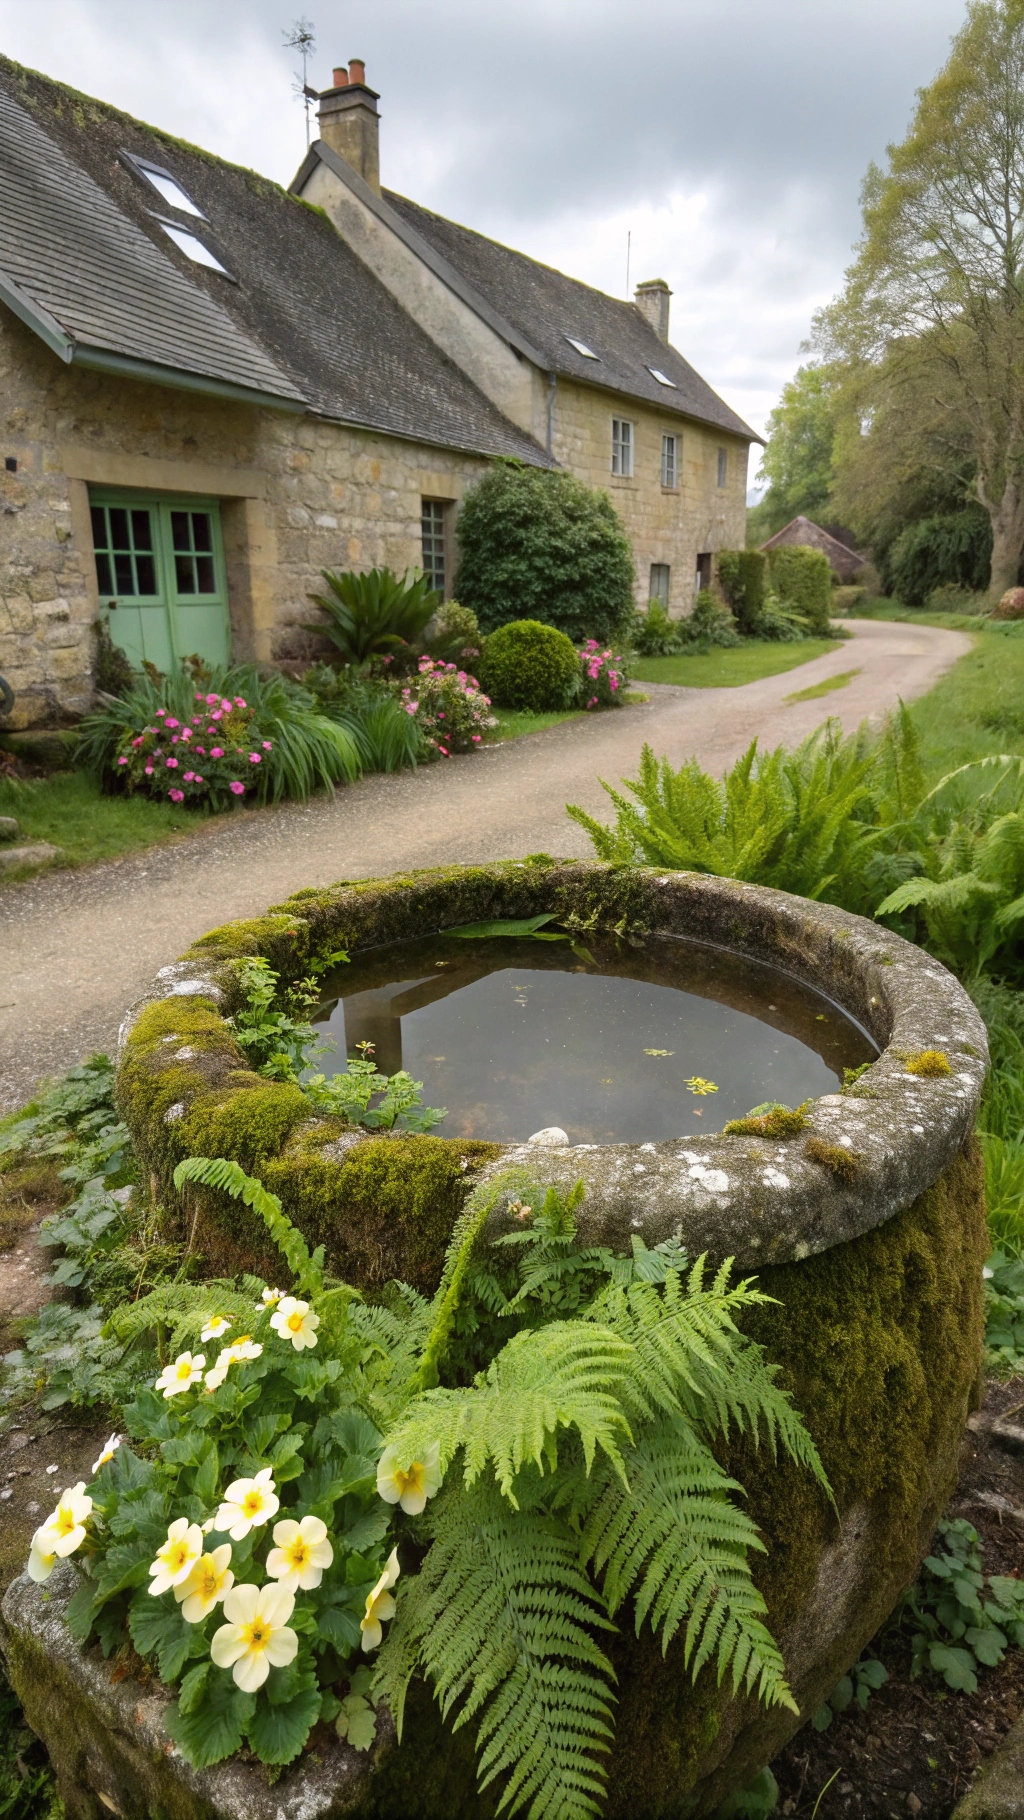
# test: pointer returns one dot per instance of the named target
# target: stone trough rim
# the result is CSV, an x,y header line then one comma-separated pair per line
x,y
760,1201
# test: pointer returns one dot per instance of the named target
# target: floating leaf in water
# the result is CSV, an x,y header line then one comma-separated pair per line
x,y
697,1084
524,928
659,1052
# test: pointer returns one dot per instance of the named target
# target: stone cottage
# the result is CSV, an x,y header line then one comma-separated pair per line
x,y
844,561
212,388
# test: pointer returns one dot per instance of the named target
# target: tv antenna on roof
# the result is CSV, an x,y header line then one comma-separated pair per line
x,y
301,38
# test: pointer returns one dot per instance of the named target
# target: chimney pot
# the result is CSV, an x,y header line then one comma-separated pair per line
x,y
349,122
651,299
341,77
356,70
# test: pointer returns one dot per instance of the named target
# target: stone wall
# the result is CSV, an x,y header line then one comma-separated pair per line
x,y
664,525
297,495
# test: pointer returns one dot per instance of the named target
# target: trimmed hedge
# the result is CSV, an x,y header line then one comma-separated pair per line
x,y
540,545
530,665
742,576
802,579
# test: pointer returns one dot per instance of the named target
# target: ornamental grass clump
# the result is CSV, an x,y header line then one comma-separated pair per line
x,y
472,1488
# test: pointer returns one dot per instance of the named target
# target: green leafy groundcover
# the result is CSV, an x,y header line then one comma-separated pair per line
x,y
540,1436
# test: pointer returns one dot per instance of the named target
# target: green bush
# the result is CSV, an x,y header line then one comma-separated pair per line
x,y
953,548
530,665
378,612
802,579
654,634
709,624
743,578
542,546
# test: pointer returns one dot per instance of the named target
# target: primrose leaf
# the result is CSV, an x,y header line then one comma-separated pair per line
x,y
988,1644
821,1719
841,1695
215,1729
956,1666
193,1687
357,1722
278,1733
159,1629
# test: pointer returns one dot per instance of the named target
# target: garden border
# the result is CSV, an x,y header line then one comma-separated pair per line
x,y
185,1087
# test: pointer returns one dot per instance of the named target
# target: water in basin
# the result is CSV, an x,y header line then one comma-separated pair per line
x,y
513,1035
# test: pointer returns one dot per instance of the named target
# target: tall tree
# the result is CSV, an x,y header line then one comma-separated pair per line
x,y
797,461
938,282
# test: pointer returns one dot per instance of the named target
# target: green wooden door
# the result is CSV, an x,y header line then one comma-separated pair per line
x,y
160,573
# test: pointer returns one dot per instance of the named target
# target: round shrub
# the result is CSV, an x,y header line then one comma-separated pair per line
x,y
543,546
530,665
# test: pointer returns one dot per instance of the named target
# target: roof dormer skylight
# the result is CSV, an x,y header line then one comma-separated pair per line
x,y
662,378
582,348
166,186
193,247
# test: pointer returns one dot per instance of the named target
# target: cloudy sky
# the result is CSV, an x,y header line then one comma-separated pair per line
x,y
728,137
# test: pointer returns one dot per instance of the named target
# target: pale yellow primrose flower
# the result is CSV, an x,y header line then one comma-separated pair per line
x,y
270,1296
176,1559
380,1606
108,1452
409,1486
294,1322
244,1348
180,1376
210,1580
64,1529
247,1504
215,1327
301,1555
256,1637
41,1561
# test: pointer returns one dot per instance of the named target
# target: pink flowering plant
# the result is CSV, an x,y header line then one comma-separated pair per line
x,y
602,676
212,755
451,710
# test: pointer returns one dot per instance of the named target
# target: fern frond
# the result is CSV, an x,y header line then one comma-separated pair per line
x,y
673,1539
501,1619
570,1374
457,1262
184,1309
230,1178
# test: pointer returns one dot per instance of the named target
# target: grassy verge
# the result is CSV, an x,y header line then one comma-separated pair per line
x,y
978,708
728,669
513,723
838,681
70,811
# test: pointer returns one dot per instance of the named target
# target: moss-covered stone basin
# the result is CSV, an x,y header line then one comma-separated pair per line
x,y
866,1223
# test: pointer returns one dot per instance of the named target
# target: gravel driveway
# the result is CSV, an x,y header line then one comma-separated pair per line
x,y
79,945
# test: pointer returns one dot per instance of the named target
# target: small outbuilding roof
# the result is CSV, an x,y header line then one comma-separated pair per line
x,y
801,530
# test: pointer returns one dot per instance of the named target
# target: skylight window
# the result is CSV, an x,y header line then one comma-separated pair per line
x,y
662,378
171,191
582,348
193,247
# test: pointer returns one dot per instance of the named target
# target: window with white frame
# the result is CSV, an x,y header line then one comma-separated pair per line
x,y
723,466
622,447
670,461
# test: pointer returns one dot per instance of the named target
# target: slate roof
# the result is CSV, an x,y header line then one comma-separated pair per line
x,y
845,560
304,322
545,307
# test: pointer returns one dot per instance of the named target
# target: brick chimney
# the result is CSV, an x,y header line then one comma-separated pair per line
x,y
349,121
651,299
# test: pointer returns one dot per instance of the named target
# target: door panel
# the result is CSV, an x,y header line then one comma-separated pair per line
x,y
160,570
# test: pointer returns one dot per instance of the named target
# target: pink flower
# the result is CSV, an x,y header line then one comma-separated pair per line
x,y
477,737
268,745
171,763
216,751
198,779
443,751
176,796
411,707
216,715
138,742
613,682
226,706
122,761
440,713
592,703
201,751
198,696
210,698
189,777
174,739
149,770
186,733
171,722
236,788
161,711
239,703
255,759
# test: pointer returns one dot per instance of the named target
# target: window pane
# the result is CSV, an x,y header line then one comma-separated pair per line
x,y
124,580
205,582
184,579
103,581
141,532
180,530
145,570
99,527
432,532
659,585
723,467
202,534
119,528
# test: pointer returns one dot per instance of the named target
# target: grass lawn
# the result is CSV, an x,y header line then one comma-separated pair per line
x,y
727,669
839,681
978,709
514,722
70,811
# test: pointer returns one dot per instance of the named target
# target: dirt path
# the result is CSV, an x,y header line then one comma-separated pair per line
x,y
77,946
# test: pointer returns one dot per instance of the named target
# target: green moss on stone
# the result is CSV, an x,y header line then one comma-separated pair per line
x,y
781,1122
931,1063
833,1157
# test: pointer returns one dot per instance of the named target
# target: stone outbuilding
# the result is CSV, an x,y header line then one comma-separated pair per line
x,y
212,388
844,562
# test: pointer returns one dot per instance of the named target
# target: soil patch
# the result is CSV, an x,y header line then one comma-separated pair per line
x,y
917,1747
